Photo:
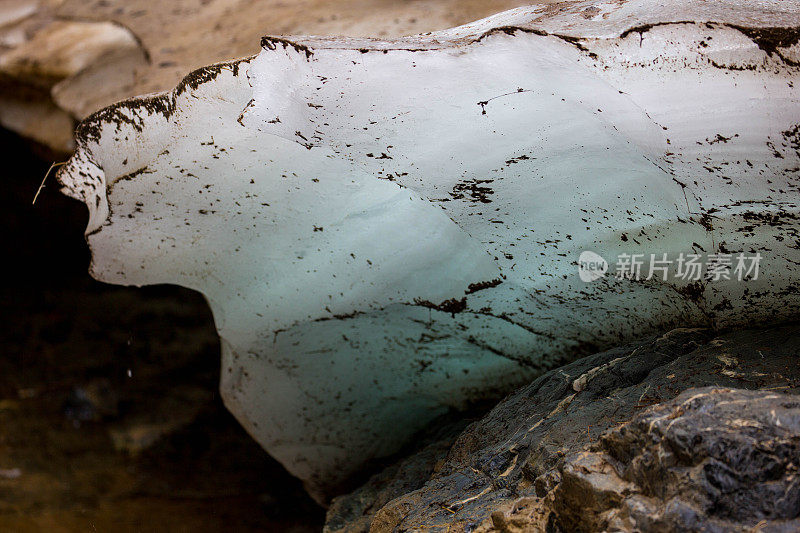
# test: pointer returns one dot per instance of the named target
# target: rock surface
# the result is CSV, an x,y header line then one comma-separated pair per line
x,y
712,458
80,56
663,438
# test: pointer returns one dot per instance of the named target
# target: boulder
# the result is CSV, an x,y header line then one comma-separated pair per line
x,y
690,431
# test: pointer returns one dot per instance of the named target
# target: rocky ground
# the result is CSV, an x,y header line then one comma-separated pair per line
x,y
690,431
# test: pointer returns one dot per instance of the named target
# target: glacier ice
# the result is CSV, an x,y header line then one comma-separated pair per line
x,y
388,230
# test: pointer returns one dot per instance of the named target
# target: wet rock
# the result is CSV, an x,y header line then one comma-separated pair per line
x,y
355,510
63,49
12,15
65,71
714,458
685,432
